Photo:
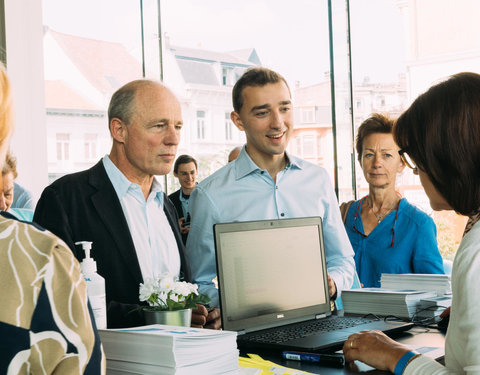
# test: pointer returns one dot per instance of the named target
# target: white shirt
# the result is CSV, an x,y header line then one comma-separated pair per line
x,y
462,345
154,241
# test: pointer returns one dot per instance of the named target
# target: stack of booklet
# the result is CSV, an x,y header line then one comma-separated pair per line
x,y
380,301
440,284
161,349
429,309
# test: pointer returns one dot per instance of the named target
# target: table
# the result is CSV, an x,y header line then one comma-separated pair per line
x,y
415,337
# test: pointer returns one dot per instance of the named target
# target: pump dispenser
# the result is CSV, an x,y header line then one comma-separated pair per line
x,y
95,286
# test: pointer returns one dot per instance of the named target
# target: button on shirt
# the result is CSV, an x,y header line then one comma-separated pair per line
x,y
154,241
241,191
184,200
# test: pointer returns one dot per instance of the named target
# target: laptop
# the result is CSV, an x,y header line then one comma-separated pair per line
x,y
273,287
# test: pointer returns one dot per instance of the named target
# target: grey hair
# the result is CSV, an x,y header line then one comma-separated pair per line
x,y
122,102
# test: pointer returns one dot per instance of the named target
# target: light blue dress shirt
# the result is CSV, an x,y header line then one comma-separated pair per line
x,y
184,203
241,191
153,238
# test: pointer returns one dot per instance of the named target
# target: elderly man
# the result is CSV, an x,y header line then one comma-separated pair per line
x,y
120,206
265,182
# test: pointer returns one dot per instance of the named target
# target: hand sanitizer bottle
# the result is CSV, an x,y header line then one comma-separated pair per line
x,y
95,286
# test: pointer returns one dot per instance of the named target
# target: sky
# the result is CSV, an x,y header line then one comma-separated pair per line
x,y
290,37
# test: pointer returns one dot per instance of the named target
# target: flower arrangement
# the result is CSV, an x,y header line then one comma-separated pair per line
x,y
166,293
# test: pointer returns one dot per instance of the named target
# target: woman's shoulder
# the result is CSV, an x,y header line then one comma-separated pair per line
x,y
417,215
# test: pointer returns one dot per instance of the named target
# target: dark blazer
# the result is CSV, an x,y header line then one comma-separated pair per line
x,y
85,207
175,198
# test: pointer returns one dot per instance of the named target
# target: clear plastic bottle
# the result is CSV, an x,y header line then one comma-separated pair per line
x,y
95,286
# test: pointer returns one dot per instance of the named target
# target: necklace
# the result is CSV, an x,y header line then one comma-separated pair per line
x,y
379,217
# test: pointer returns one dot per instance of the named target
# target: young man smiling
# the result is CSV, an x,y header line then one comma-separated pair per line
x,y
265,182
186,170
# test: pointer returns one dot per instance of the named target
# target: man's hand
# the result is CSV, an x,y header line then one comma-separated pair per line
x,y
203,318
183,229
332,288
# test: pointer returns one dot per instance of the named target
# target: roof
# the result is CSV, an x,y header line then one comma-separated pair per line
x,y
106,65
60,96
208,56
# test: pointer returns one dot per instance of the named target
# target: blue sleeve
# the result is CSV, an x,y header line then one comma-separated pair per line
x,y
426,256
339,252
200,249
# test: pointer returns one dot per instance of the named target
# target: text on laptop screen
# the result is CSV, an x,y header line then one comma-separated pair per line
x,y
258,290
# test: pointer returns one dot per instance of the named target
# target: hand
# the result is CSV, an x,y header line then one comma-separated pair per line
x,y
445,312
332,288
183,229
202,318
375,349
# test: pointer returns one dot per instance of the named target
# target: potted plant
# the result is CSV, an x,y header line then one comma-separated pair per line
x,y
170,301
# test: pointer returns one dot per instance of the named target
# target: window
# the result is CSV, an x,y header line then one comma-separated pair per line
x,y
90,146
200,124
309,146
63,147
228,127
308,115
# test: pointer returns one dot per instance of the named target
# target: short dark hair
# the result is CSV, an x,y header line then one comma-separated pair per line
x,y
440,131
256,76
122,102
376,123
184,159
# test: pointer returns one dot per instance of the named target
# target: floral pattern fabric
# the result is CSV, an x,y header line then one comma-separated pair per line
x,y
46,323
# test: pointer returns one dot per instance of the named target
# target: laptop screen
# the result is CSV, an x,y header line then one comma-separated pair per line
x,y
270,272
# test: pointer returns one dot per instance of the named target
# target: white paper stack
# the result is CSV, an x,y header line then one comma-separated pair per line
x,y
380,301
431,308
440,284
161,349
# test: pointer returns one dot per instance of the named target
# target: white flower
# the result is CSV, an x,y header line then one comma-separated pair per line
x,y
148,288
167,282
182,288
162,291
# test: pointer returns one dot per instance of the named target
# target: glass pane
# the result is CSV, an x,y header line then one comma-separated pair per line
x,y
399,49
91,48
342,100
202,66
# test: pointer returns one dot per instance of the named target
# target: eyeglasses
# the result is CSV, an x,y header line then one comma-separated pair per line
x,y
363,234
408,160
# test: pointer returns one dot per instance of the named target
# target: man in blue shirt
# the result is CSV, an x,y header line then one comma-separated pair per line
x,y
265,182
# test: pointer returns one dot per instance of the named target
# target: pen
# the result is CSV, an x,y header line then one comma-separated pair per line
x,y
336,360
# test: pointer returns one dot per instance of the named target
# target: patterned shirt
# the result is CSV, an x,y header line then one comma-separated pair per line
x,y
46,323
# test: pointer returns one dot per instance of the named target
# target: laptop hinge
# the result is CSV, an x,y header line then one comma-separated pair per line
x,y
320,316
241,332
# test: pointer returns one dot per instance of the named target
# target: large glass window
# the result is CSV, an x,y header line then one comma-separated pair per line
x,y
398,55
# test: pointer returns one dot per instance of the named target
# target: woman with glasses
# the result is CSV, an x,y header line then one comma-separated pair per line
x,y
440,133
387,233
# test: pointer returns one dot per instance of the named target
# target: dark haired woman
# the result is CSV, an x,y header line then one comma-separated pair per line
x,y
439,137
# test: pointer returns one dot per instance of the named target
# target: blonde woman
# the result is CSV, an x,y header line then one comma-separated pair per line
x,y
46,323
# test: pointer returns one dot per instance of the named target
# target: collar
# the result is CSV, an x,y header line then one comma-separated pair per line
x,y
244,164
121,184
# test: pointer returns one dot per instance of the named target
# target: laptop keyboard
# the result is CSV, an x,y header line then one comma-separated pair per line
x,y
299,330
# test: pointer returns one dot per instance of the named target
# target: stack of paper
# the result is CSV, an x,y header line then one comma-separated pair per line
x,y
161,349
419,281
380,301
429,309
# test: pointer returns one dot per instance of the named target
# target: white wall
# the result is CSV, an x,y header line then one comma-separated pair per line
x,y
24,33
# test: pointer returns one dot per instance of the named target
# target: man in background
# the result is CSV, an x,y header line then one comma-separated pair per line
x,y
186,170
265,182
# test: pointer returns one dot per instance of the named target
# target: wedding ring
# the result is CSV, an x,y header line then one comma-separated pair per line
x,y
351,344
